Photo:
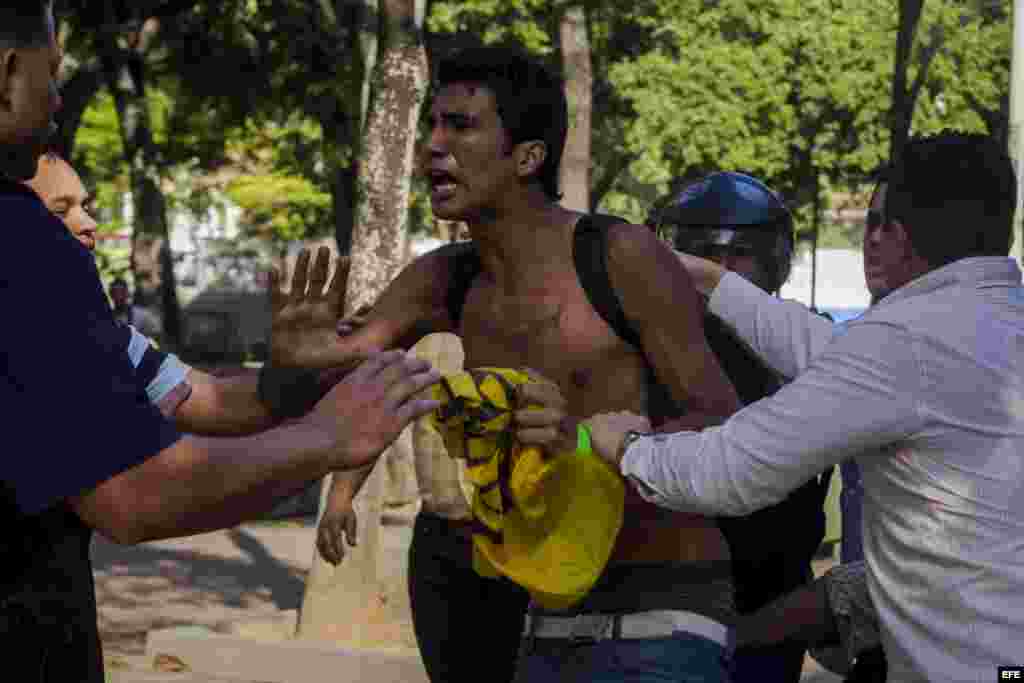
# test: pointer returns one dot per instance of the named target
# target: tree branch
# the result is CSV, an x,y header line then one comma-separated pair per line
x,y
899,126
927,54
76,94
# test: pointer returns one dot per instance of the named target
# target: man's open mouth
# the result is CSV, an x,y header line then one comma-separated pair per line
x,y
442,184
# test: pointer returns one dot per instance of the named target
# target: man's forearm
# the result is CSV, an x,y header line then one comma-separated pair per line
x,y
223,406
346,485
784,334
201,484
231,406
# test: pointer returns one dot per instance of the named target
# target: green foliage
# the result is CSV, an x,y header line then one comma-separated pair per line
x,y
259,99
278,206
841,235
98,151
785,91
527,23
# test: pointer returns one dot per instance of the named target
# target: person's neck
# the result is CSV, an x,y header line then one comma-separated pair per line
x,y
521,246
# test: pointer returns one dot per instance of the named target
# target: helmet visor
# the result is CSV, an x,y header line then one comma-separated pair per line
x,y
706,242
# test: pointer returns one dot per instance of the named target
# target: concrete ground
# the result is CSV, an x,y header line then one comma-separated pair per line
x,y
250,572
220,582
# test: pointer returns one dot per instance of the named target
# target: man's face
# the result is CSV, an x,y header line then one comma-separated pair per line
x,y
737,255
884,252
469,161
64,194
738,259
28,102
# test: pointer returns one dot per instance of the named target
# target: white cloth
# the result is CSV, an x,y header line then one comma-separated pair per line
x,y
926,389
444,490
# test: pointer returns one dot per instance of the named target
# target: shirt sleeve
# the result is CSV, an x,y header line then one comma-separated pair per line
x,y
785,334
76,413
163,374
861,393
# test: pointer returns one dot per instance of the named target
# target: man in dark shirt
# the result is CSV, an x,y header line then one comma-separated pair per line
x,y
65,376
740,223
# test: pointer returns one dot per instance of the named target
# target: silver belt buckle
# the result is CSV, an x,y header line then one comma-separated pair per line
x,y
587,629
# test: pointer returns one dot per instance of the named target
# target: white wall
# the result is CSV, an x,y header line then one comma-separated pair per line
x,y
840,282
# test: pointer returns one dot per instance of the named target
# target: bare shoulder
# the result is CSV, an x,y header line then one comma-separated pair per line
x,y
415,303
643,266
629,240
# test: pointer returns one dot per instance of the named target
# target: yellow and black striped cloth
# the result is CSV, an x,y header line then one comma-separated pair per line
x,y
546,521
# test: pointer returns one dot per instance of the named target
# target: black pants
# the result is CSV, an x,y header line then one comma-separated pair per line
x,y
468,627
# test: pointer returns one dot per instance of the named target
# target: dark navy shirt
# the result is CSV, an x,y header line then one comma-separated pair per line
x,y
74,410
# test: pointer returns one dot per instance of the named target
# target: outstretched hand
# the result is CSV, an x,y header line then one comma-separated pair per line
x,y
365,412
303,327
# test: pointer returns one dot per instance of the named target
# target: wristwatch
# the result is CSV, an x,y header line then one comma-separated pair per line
x,y
631,436
641,487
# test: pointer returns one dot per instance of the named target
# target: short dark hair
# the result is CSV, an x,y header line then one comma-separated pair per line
x,y
118,282
955,194
23,23
530,99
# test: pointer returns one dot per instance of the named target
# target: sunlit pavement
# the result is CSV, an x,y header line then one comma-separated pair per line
x,y
252,573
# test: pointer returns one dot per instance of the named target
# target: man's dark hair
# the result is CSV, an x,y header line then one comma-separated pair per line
x,y
529,98
118,282
23,23
955,194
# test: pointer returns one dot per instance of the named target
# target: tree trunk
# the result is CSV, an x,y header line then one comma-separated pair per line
x,y
364,15
385,172
579,81
902,112
151,260
363,601
343,196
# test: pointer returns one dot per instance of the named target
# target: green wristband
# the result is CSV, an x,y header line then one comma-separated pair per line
x,y
583,446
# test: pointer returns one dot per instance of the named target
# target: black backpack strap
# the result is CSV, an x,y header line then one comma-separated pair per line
x,y
465,268
590,255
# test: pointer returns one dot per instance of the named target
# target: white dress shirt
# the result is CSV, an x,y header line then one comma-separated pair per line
x,y
926,389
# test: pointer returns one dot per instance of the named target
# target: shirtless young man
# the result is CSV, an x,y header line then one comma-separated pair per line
x,y
497,130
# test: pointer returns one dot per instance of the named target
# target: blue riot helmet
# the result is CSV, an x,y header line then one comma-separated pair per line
x,y
736,214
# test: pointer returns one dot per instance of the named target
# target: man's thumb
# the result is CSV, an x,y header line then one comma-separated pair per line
x,y
351,523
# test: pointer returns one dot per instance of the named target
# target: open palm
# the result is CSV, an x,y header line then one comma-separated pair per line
x,y
303,327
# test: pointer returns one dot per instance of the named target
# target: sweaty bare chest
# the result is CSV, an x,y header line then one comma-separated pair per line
x,y
561,337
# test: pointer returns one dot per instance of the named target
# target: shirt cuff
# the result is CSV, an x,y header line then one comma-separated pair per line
x,y
645,467
172,375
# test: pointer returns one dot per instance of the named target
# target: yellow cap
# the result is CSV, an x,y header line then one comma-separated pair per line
x,y
553,519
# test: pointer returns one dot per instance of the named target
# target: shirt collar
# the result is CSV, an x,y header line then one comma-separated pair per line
x,y
973,271
8,186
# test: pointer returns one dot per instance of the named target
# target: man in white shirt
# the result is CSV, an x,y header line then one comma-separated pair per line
x,y
925,390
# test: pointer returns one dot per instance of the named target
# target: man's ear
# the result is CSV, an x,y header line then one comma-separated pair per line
x,y
898,233
530,156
